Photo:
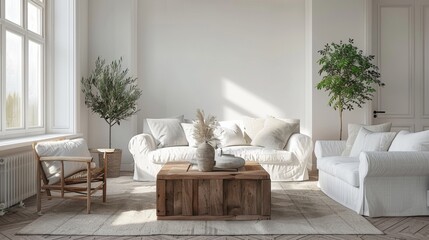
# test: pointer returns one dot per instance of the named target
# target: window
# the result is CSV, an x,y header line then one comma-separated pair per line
x,y
22,39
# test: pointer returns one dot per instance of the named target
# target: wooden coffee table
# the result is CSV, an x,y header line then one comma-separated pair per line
x,y
184,193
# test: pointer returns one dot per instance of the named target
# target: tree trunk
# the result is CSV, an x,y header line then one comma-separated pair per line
x,y
110,136
341,123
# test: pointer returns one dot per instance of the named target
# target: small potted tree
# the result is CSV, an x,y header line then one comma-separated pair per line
x,y
349,77
110,93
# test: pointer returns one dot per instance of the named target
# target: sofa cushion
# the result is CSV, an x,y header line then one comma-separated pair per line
x,y
188,128
262,155
172,154
371,141
251,127
406,141
71,148
229,134
275,134
344,168
353,130
146,128
168,132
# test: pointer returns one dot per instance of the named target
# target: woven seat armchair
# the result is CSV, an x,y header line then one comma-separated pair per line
x,y
66,169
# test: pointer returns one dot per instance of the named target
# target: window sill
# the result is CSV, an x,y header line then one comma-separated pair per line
x,y
8,144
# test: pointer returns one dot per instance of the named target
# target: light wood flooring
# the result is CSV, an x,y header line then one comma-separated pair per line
x,y
394,228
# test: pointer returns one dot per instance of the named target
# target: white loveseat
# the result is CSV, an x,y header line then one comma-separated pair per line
x,y
376,183
289,164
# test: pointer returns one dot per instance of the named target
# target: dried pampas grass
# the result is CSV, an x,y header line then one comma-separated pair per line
x,y
204,128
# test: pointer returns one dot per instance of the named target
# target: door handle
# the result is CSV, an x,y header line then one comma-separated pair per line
x,y
375,113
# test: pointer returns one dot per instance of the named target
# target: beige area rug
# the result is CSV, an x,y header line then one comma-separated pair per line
x,y
297,208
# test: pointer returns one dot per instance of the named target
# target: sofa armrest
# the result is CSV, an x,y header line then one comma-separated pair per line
x,y
329,148
302,146
141,144
392,164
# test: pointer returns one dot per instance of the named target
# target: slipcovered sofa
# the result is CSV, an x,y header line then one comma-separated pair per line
x,y
291,163
389,182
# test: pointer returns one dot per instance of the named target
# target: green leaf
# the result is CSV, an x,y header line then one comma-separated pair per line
x,y
110,93
349,77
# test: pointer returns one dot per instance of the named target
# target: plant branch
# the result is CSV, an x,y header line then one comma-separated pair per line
x,y
110,93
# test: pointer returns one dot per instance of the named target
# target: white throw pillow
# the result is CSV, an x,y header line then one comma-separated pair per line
x,y
189,133
229,134
72,148
168,132
353,130
406,141
146,128
368,141
251,127
275,134
288,120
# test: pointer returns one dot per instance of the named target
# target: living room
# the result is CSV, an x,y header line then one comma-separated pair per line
x,y
233,59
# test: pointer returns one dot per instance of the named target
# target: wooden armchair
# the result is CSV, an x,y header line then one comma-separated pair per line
x,y
66,167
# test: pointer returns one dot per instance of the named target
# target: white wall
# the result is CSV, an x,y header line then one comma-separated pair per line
x,y
332,21
111,36
231,58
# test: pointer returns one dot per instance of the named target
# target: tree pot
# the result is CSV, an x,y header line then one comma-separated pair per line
x,y
113,163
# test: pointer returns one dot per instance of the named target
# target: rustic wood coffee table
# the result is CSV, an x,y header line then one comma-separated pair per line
x,y
184,193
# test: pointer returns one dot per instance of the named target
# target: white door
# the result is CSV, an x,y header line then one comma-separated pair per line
x,y
401,46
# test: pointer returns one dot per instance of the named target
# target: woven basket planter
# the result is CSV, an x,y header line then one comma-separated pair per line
x,y
113,163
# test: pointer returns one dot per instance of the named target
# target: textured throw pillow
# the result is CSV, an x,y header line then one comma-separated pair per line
x,y
229,134
354,130
189,133
72,148
168,132
289,120
368,141
406,141
251,127
146,128
275,134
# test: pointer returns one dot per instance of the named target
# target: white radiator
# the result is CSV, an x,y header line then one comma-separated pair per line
x,y
17,178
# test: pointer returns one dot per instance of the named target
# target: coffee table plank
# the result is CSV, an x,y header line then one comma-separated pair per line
x,y
169,195
177,197
266,197
160,197
233,197
195,197
216,197
203,196
187,197
249,197
258,194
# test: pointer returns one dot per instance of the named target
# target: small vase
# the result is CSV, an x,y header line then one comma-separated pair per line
x,y
205,157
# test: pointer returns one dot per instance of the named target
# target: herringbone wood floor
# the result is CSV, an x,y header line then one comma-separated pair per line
x,y
394,228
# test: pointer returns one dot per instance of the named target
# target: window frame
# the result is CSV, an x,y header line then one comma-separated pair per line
x,y
27,36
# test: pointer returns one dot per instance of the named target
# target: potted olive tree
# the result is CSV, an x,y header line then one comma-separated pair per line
x,y
349,76
110,93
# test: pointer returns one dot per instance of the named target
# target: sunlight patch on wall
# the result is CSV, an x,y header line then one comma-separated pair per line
x,y
240,101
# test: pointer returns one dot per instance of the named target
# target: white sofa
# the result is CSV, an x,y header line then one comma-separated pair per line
x,y
375,183
289,164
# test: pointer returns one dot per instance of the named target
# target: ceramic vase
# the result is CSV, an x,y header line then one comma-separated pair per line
x,y
205,157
